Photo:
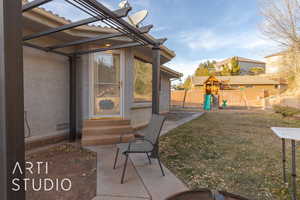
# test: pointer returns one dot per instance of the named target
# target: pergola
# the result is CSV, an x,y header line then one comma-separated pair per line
x,y
11,73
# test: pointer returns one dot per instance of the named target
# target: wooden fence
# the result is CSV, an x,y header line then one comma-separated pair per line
x,y
250,97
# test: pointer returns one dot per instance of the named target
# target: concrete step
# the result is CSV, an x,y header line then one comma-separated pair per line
x,y
105,122
106,139
107,130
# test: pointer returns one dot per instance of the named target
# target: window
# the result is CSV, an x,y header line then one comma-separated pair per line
x,y
142,81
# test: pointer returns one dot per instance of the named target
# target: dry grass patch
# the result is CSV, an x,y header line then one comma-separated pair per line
x,y
230,151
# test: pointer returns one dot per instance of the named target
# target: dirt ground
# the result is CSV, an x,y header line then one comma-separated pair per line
x,y
65,161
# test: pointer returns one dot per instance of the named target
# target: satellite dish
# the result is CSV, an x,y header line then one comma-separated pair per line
x,y
124,4
138,17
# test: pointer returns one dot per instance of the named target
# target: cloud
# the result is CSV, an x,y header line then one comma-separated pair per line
x,y
188,67
231,19
160,28
209,39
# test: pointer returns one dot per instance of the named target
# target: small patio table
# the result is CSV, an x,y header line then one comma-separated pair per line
x,y
292,134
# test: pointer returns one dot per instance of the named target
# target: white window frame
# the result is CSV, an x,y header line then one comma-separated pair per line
x,y
91,85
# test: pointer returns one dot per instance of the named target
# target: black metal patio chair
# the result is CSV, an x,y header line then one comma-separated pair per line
x,y
147,144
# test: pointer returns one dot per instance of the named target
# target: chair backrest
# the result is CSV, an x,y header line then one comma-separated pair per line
x,y
152,131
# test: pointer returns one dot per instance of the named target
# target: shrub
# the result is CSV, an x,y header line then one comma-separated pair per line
x,y
286,111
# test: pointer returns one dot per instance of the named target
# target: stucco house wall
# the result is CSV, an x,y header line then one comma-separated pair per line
x,y
83,87
165,90
140,114
46,92
274,64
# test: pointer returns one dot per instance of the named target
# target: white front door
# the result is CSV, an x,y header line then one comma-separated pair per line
x,y
106,98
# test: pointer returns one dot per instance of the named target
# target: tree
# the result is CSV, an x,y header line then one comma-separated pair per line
x,y
205,68
187,83
281,21
226,71
202,71
235,67
187,86
282,25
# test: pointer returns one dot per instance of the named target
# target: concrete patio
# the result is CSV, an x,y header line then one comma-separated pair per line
x,y
142,180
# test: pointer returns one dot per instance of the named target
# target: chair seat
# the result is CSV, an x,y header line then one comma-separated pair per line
x,y
137,146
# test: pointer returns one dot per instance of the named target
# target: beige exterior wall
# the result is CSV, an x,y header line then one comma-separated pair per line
x,y
274,64
128,83
165,96
46,92
140,114
83,104
283,100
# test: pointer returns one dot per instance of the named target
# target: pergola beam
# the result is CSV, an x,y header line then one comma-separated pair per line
x,y
34,4
98,6
127,45
119,14
44,49
143,30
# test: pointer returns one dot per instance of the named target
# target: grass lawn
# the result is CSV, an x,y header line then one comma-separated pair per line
x,y
230,151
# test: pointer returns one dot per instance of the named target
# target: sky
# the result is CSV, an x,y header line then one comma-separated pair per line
x,y
198,30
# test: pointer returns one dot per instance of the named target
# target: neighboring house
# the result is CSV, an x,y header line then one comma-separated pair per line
x,y
245,64
275,62
111,84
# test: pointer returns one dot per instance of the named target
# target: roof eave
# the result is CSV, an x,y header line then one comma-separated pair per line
x,y
172,73
54,20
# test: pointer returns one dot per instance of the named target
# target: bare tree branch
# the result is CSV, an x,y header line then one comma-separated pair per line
x,y
281,24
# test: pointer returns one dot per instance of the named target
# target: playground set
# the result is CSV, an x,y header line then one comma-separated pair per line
x,y
214,91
